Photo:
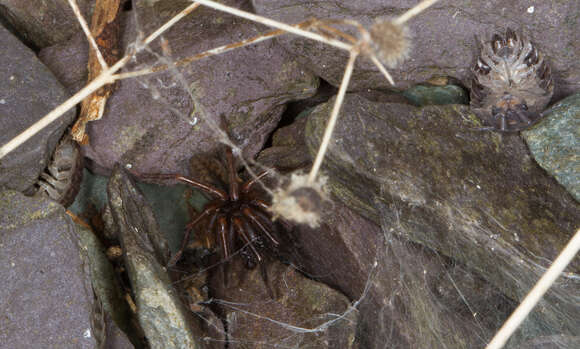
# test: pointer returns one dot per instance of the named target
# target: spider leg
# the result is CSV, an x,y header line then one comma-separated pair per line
x,y
503,123
248,185
241,229
166,177
234,185
222,231
177,256
254,218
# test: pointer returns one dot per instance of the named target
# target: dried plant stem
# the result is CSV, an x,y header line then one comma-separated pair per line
x,y
420,7
170,23
208,53
274,24
333,117
103,79
84,25
106,77
382,68
534,296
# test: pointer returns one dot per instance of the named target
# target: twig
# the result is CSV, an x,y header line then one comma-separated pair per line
x,y
208,53
83,23
333,117
104,78
534,296
420,7
274,24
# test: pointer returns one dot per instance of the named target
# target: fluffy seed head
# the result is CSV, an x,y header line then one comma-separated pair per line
x,y
390,42
300,202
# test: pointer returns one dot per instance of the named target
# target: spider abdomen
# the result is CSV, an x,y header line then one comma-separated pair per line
x,y
512,83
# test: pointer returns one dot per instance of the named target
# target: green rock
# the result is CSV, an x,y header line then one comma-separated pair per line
x,y
555,143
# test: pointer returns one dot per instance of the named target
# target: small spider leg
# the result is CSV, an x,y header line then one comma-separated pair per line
x,y
248,185
222,231
522,115
177,256
241,230
234,185
193,182
251,215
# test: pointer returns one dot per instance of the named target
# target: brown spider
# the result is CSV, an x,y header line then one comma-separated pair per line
x,y
238,219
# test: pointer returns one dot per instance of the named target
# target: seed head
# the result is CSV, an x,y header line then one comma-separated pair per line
x,y
300,202
390,41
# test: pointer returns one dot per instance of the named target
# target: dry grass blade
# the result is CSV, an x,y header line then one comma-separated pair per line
x,y
83,23
106,77
534,296
333,117
105,27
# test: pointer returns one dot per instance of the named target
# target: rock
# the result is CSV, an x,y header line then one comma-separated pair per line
x,y
164,319
443,37
302,312
374,268
108,291
67,60
44,23
170,204
153,123
552,342
46,294
29,92
422,95
427,174
555,143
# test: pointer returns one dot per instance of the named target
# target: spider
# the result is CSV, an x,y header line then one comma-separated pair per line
x,y
238,218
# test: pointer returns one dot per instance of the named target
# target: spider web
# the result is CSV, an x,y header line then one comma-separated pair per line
x,y
411,296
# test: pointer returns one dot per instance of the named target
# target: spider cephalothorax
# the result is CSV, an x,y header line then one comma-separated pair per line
x,y
238,218
512,83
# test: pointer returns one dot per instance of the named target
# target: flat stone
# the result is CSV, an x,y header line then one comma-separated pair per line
x,y
28,92
555,143
164,319
428,175
44,23
46,294
288,310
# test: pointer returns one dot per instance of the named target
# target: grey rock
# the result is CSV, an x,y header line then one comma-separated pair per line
x,y
164,319
291,309
153,123
555,143
43,23
443,37
46,295
422,95
28,92
67,60
108,292
426,174
374,268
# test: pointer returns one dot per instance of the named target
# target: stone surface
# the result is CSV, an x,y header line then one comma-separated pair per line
x,y
374,269
28,91
43,23
67,60
555,143
164,319
289,310
108,291
46,292
422,95
153,123
443,37
426,174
